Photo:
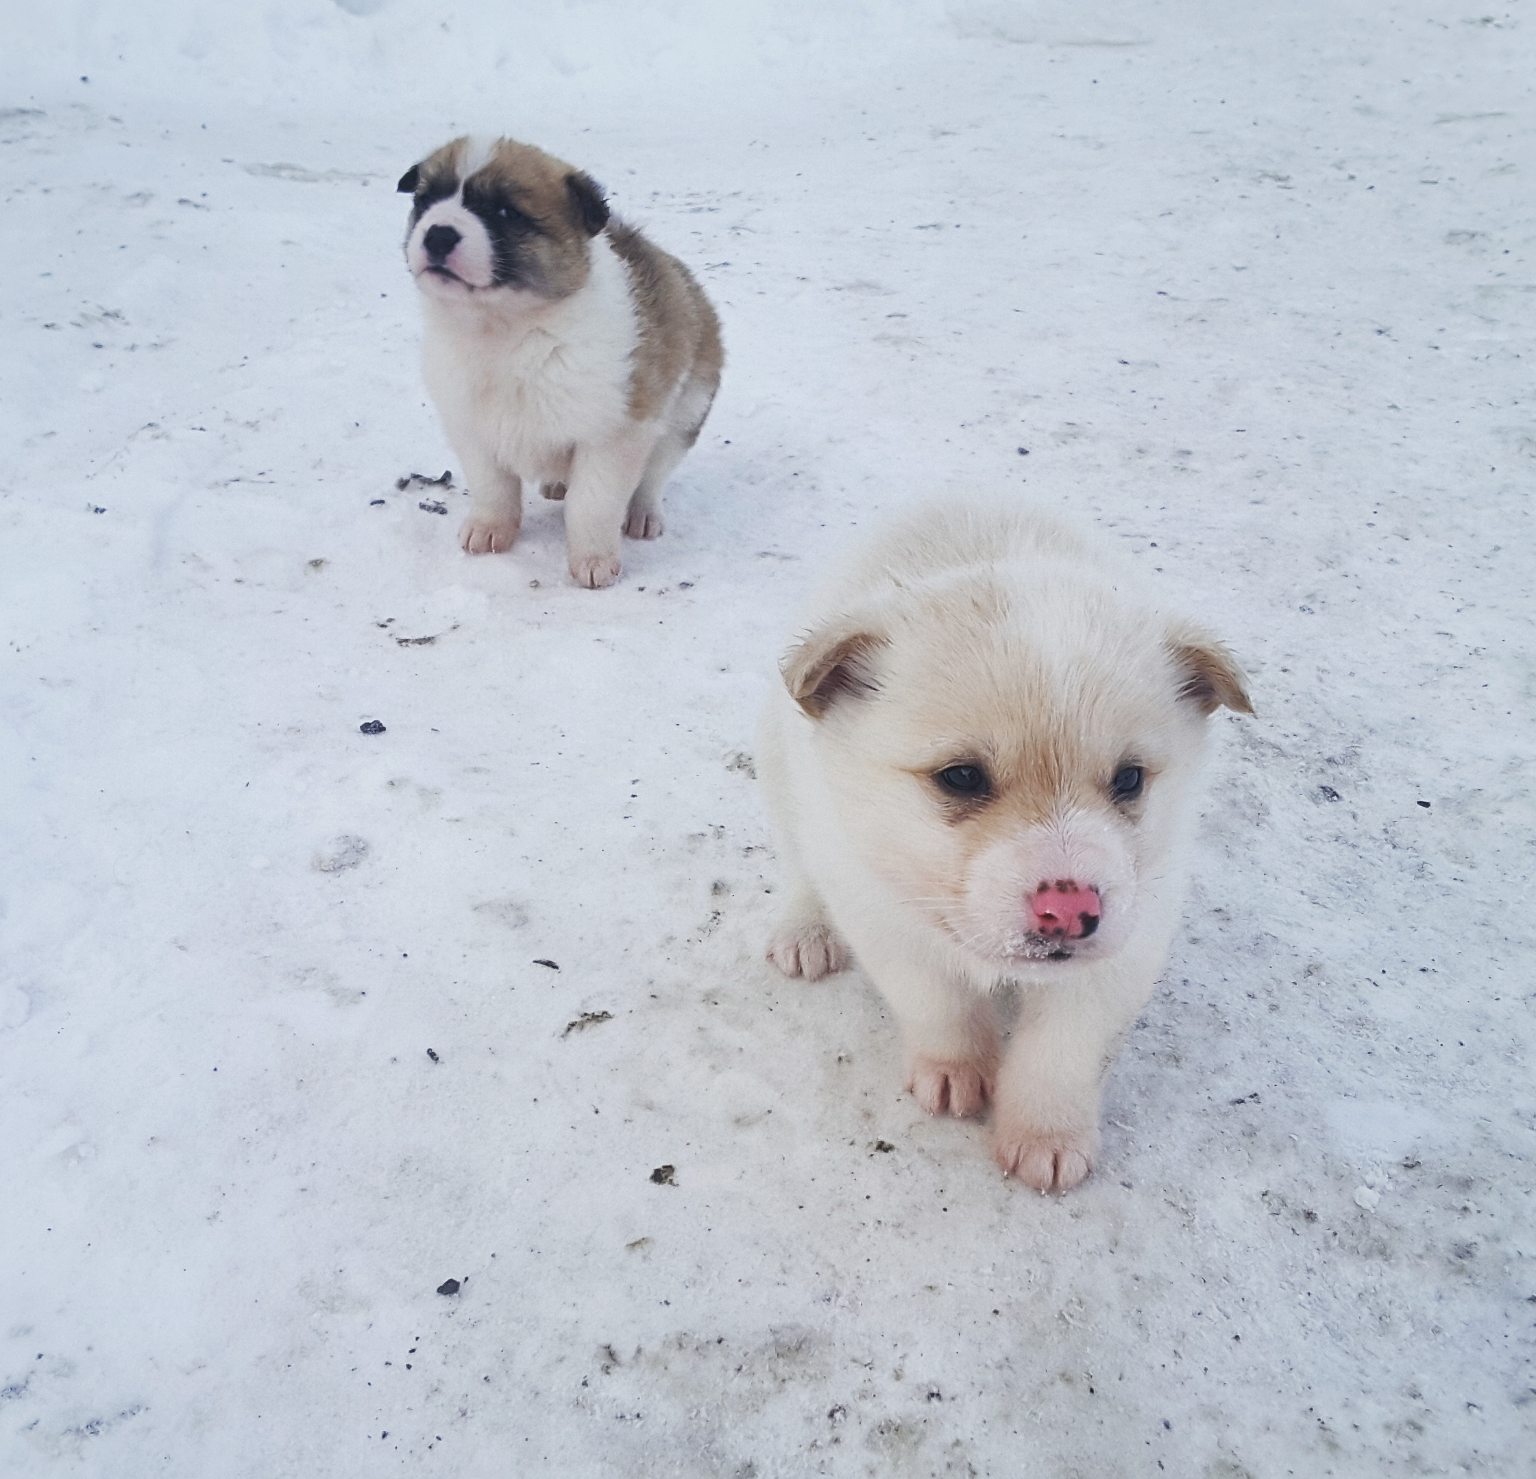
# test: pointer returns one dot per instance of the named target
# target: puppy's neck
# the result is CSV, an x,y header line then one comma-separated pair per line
x,y
505,314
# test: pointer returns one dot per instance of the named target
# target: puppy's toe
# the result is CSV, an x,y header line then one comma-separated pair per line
x,y
947,1086
1047,1162
808,950
643,524
487,536
553,491
595,571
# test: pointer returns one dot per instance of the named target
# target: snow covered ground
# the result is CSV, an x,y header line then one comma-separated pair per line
x,y
298,1023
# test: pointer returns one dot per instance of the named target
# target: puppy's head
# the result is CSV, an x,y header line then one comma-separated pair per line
x,y
492,217
1014,760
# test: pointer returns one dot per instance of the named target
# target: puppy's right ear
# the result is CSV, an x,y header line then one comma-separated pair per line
x,y
410,180
833,663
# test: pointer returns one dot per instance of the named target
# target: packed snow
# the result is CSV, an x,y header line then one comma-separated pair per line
x,y
420,1100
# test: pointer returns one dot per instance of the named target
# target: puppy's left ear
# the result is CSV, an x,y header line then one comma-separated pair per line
x,y
410,180
587,204
1210,676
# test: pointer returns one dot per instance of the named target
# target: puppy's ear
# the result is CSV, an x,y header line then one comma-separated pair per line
x,y
410,180
831,664
1209,674
588,208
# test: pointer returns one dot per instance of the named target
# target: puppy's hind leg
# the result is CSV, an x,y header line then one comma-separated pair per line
x,y
643,519
685,421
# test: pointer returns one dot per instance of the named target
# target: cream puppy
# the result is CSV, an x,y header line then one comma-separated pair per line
x,y
561,347
982,768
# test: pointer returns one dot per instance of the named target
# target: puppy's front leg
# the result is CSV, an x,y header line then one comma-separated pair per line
x,y
1045,1123
805,942
948,1028
596,497
496,505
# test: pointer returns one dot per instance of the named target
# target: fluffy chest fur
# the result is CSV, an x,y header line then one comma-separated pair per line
x,y
535,382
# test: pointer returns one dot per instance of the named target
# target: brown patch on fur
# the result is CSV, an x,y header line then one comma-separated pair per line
x,y
829,664
1211,674
557,260
679,332
1033,780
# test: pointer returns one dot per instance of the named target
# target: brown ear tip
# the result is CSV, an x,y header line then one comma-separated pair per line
x,y
828,665
1211,675
1233,692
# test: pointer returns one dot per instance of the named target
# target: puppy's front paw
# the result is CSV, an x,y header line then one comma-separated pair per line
x,y
950,1086
595,571
488,536
809,950
1046,1160
643,524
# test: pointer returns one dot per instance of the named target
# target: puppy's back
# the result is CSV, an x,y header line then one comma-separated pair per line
x,y
679,332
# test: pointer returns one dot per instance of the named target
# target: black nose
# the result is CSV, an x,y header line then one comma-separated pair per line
x,y
439,241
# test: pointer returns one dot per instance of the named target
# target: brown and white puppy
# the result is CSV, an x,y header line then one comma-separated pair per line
x,y
561,347
982,768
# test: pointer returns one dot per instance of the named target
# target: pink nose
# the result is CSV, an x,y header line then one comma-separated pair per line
x,y
1063,911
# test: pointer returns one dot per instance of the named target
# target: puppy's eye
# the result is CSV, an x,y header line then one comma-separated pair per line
x,y
1127,783
965,780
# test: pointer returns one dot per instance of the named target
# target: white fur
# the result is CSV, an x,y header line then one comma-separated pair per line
x,y
536,390
479,150
1003,636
